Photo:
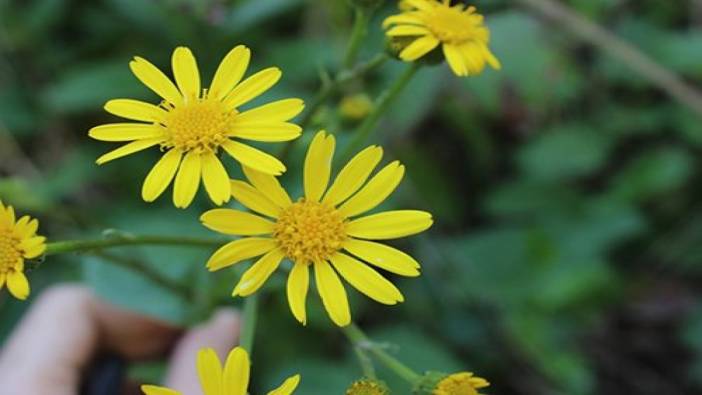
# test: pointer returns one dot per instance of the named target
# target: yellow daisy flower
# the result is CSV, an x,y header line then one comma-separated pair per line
x,y
460,31
233,379
192,124
463,383
18,242
315,229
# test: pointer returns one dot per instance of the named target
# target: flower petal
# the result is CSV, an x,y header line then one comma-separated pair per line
x,y
235,222
298,284
209,369
419,48
408,30
384,257
257,274
187,180
287,387
389,224
402,19
136,110
161,175
265,131
230,71
366,280
455,59
155,80
239,250
252,87
268,186
26,227
376,191
134,146
353,175
236,372
186,73
17,284
215,178
125,132
154,390
333,294
318,165
254,158
252,198
280,110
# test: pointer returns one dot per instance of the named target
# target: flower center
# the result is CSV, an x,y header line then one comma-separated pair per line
x,y
10,253
366,387
456,384
199,126
310,232
454,26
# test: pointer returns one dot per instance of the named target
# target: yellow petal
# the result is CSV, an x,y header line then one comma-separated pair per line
x,y
32,243
254,158
366,280
154,390
268,186
389,224
333,294
230,71
455,59
187,180
153,78
136,110
7,215
353,175
400,19
265,131
17,284
376,191
408,30
26,227
236,372
419,48
186,73
125,132
318,165
209,369
127,149
421,4
384,257
252,87
257,274
252,198
3,276
215,178
235,222
287,387
161,175
280,110
34,251
298,284
239,250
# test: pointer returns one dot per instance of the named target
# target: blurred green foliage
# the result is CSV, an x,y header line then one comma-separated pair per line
x,y
566,253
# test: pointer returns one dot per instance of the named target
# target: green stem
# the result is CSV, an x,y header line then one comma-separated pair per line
x,y
248,331
382,103
360,340
62,247
366,363
360,27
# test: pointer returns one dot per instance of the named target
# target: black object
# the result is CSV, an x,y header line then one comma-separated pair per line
x,y
105,376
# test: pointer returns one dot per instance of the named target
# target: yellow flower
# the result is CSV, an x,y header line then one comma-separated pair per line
x,y
314,230
356,106
232,380
18,241
463,383
192,124
462,34
367,387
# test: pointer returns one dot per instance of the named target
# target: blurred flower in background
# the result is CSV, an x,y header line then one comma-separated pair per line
x,y
18,242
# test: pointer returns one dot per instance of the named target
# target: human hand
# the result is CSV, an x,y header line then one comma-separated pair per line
x,y
67,326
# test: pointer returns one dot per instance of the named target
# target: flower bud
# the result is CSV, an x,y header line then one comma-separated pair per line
x,y
368,387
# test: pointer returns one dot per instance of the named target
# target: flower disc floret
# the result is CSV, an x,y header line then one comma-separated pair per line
x,y
199,126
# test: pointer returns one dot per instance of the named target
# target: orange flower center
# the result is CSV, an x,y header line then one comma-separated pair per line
x,y
10,252
310,232
455,26
199,126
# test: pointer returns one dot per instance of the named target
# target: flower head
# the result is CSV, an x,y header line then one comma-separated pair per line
x,y
18,242
459,29
233,379
367,387
320,230
191,125
463,383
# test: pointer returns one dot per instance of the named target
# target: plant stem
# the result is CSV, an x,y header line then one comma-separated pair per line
x,y
360,340
360,27
381,105
248,331
62,247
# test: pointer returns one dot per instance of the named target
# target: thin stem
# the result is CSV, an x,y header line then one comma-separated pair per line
x,y
366,363
62,247
360,340
381,105
360,28
248,331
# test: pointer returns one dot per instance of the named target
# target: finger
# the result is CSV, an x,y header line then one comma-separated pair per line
x,y
221,333
60,335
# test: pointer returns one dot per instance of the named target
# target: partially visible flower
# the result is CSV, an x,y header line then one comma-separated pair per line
x,y
18,242
320,230
461,32
191,125
356,106
461,383
367,387
233,379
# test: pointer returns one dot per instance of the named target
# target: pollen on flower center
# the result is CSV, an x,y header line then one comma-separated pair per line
x,y
451,25
10,252
199,126
309,231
